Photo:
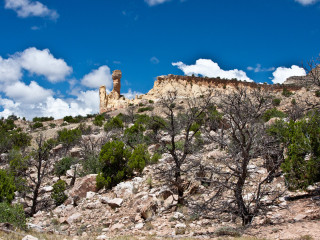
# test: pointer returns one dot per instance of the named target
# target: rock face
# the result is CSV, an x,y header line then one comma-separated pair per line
x,y
105,99
304,81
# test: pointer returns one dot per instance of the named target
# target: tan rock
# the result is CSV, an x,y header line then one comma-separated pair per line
x,y
84,185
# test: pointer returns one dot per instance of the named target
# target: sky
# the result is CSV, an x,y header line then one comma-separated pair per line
x,y
55,54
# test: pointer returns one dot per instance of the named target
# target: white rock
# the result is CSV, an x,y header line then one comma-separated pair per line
x,y
139,226
102,237
76,217
180,229
34,227
90,195
115,203
48,188
29,237
178,215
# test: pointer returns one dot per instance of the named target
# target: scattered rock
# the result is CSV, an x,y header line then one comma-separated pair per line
x,y
29,237
76,217
102,237
300,217
115,203
84,185
180,229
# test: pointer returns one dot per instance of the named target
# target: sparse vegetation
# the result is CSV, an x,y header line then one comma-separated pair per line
x,y
58,194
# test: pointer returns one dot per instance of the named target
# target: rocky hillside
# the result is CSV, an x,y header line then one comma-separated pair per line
x,y
149,202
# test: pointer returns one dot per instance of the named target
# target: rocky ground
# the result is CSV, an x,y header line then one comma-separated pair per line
x,y
140,207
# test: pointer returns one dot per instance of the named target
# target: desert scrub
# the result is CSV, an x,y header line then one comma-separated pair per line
x,y
276,102
145,109
13,214
286,92
58,194
227,231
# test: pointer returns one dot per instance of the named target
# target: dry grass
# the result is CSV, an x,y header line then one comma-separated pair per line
x,y
45,236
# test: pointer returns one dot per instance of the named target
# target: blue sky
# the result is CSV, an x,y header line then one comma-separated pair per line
x,y
55,54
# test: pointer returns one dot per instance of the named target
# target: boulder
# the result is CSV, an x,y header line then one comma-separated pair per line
x,y
29,237
148,208
180,229
115,203
76,217
102,237
84,185
75,152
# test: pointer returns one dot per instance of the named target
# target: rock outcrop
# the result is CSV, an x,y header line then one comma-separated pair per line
x,y
110,101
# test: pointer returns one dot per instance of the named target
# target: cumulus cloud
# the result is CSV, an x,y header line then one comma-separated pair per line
x,y
30,100
42,62
281,73
33,93
307,2
35,61
155,2
208,68
10,71
130,94
87,102
259,68
29,8
98,77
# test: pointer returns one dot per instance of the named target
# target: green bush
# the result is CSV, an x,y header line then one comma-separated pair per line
x,y
98,120
42,119
52,125
18,166
58,194
156,123
13,214
155,158
286,92
90,165
302,140
7,187
317,93
37,125
134,135
271,113
113,124
145,109
113,158
151,101
71,119
293,102
69,137
85,130
141,119
276,102
139,158
61,167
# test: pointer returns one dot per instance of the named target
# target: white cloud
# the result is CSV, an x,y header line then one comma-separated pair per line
x,y
307,2
98,77
259,68
208,68
281,73
29,8
42,62
155,2
10,71
85,103
130,94
27,94
154,60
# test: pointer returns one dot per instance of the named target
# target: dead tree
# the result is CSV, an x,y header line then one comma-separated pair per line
x,y
246,140
181,127
40,166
